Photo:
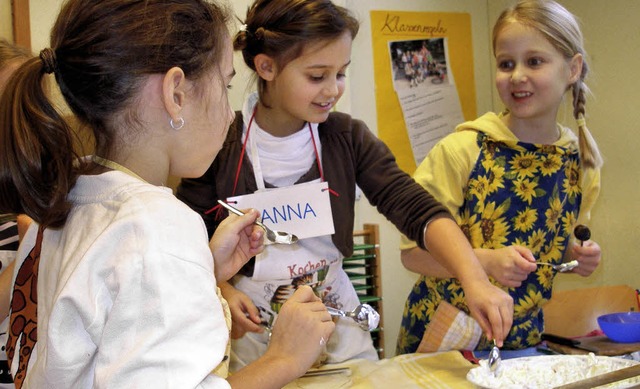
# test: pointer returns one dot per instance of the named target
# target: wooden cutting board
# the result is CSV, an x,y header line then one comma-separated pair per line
x,y
604,345
607,378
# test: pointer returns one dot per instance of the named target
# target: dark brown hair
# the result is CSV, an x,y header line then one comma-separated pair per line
x,y
282,28
100,53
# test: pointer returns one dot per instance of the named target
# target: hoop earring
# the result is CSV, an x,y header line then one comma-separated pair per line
x,y
177,126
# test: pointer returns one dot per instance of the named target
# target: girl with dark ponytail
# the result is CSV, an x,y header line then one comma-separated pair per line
x,y
126,292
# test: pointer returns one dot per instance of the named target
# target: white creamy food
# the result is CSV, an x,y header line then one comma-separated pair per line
x,y
547,371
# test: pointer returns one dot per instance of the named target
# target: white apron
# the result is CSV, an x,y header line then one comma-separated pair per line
x,y
280,269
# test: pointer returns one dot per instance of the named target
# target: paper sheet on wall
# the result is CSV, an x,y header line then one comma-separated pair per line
x,y
429,116
426,91
418,99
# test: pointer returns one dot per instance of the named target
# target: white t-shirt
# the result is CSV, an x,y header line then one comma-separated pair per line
x,y
126,292
283,160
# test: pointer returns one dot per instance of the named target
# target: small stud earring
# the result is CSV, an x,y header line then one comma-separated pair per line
x,y
177,126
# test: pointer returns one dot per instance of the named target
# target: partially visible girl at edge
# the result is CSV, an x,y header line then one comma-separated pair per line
x,y
126,292
518,182
285,136
13,227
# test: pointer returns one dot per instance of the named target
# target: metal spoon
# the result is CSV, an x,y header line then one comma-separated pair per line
x,y
494,358
563,267
364,314
272,235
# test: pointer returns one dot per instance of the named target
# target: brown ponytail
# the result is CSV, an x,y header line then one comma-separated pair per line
x,y
36,154
101,52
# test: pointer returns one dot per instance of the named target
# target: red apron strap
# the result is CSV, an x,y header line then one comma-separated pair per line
x,y
218,209
23,320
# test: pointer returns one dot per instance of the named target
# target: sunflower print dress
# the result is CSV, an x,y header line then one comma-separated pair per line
x,y
517,194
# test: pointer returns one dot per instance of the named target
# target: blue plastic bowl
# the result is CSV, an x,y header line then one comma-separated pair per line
x,y
623,327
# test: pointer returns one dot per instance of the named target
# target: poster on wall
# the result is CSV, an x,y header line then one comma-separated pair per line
x,y
423,67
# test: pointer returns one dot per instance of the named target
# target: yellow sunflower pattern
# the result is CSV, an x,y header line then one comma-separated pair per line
x,y
517,193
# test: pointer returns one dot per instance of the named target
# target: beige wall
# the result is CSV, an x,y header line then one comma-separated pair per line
x,y
5,20
611,32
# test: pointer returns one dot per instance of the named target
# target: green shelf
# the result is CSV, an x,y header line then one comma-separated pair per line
x,y
357,276
359,257
347,266
369,299
357,247
358,287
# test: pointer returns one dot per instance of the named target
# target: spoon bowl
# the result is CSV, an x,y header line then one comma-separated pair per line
x,y
563,267
273,236
364,314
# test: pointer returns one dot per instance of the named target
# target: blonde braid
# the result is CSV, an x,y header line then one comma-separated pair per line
x,y
589,153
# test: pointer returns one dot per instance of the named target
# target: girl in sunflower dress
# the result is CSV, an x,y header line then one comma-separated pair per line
x,y
517,182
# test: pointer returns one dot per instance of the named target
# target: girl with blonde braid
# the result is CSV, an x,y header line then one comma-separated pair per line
x,y
518,182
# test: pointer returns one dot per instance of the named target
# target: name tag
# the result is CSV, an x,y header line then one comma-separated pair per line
x,y
303,209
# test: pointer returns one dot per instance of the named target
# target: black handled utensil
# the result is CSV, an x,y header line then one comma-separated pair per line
x,y
582,233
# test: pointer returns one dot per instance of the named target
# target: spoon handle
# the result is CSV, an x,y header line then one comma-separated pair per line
x,y
231,208
336,312
562,267
238,212
494,358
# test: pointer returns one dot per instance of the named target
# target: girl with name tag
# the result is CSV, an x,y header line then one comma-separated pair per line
x,y
289,156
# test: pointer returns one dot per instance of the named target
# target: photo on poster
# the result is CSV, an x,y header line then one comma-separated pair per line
x,y
425,90
419,62
413,113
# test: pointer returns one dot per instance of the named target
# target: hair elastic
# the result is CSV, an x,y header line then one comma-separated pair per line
x,y
581,121
48,58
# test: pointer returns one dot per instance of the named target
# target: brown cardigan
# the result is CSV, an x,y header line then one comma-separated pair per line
x,y
351,155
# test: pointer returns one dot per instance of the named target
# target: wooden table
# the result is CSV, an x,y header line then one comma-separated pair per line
x,y
437,370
